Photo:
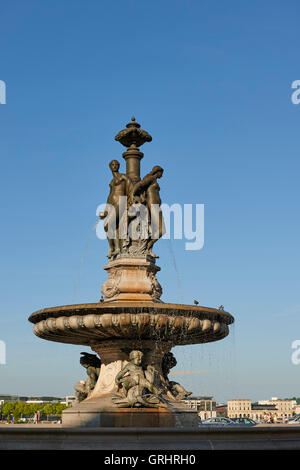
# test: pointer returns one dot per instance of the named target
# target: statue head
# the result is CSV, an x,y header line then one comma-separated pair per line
x,y
168,362
157,171
114,165
136,357
90,360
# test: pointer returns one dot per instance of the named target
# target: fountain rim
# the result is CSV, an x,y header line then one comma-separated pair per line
x,y
126,307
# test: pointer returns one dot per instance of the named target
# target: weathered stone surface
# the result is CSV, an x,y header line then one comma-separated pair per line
x,y
96,412
150,438
114,356
91,324
131,279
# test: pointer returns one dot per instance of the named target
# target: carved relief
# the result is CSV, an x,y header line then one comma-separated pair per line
x,y
134,387
106,383
156,289
110,287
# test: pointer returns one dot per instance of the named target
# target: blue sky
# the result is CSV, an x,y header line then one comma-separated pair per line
x,y
211,82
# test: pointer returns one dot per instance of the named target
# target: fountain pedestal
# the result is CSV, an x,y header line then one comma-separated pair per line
x,y
94,412
99,409
131,279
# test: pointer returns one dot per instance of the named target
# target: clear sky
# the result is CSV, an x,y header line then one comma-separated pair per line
x,y
211,82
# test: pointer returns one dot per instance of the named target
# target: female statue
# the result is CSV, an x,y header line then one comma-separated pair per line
x,y
120,186
148,191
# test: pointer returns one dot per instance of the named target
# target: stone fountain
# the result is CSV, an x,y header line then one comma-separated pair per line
x,y
130,329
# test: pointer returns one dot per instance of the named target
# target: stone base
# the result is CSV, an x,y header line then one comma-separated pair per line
x,y
131,279
102,412
34,437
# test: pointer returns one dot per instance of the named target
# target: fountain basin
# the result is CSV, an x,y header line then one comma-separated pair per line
x,y
94,323
112,330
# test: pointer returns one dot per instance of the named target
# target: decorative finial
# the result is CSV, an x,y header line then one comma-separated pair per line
x,y
133,136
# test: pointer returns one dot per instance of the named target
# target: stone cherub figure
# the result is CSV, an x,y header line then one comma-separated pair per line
x,y
134,388
92,364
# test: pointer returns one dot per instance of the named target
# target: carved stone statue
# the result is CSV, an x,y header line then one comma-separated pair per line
x,y
148,192
92,364
120,186
133,222
177,390
132,230
134,388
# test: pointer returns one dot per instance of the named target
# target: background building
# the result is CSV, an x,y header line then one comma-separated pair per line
x,y
274,408
239,408
205,405
69,400
261,412
221,410
38,400
297,409
283,407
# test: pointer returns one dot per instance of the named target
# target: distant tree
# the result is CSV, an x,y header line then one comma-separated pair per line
x,y
48,409
17,409
297,399
23,408
8,409
59,408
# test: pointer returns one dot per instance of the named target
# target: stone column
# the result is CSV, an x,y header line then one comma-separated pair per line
x,y
133,137
133,157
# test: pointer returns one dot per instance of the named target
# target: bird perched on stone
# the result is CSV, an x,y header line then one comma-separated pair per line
x,y
221,308
102,299
196,302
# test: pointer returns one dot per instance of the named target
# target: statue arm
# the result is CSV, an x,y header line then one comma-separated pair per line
x,y
129,191
103,214
143,185
120,375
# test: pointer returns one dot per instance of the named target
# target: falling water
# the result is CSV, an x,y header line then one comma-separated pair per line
x,y
233,376
176,270
220,359
76,285
217,359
